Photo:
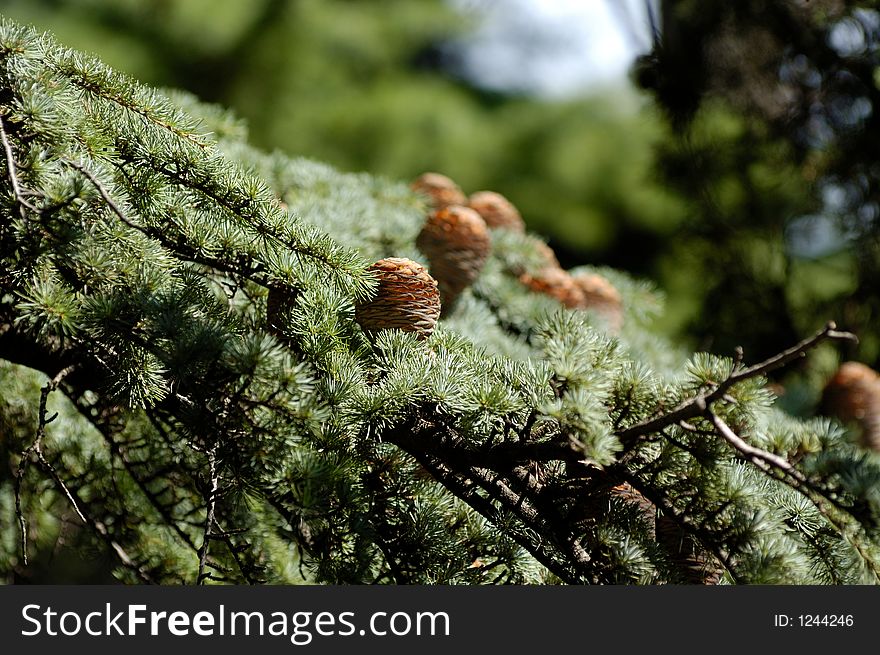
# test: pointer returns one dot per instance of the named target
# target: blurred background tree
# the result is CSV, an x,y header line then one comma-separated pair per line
x,y
775,103
737,172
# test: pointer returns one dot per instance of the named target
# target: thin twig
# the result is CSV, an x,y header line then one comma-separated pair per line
x,y
64,489
684,522
254,273
36,447
226,537
761,458
117,449
101,529
767,461
209,513
106,196
13,177
695,406
829,332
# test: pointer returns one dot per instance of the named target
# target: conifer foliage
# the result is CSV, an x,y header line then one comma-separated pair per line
x,y
156,405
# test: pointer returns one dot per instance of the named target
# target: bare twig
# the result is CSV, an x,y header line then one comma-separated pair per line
x,y
13,176
64,489
767,461
761,458
226,537
209,513
117,449
36,448
829,332
695,406
464,485
101,529
106,196
254,270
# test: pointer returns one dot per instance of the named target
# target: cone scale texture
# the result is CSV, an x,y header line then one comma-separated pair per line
x,y
407,299
497,211
556,283
601,297
457,243
441,190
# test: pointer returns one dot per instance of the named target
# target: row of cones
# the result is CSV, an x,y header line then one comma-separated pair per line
x,y
456,239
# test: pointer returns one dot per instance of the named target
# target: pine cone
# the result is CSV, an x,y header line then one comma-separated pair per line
x,y
853,395
441,190
556,283
601,296
497,211
407,299
547,255
693,564
456,242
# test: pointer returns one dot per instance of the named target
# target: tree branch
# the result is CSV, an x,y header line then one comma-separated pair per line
x,y
11,167
253,272
209,513
695,406
761,458
36,448
767,461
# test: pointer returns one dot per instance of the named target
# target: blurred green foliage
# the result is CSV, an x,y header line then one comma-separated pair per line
x,y
777,107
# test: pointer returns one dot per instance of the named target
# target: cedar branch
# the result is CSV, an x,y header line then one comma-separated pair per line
x,y
695,406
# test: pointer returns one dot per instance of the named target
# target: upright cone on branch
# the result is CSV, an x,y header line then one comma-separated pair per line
x,y
601,297
441,190
456,242
496,210
691,561
853,396
556,283
545,252
407,299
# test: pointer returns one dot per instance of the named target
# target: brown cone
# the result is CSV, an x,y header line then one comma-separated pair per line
x,y
693,564
456,242
441,190
547,255
646,508
853,395
556,283
407,299
601,296
496,210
